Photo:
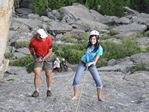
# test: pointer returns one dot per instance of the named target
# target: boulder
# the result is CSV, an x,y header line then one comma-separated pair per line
x,y
134,27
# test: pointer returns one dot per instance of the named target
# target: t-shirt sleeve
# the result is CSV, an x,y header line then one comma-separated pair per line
x,y
30,45
100,51
50,43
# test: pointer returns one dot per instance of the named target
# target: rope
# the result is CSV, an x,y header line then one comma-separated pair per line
x,y
78,104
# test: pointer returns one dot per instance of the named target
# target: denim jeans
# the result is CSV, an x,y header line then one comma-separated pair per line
x,y
94,72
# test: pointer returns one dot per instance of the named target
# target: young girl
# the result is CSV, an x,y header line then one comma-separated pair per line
x,y
89,60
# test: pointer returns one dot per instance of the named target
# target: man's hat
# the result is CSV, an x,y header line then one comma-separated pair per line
x,y
42,33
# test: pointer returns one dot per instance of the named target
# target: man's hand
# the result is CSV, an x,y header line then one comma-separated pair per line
x,y
89,64
39,60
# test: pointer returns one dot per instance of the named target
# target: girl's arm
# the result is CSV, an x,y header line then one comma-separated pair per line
x,y
96,59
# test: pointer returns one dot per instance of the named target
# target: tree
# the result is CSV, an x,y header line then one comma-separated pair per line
x,y
69,2
39,6
140,5
89,3
107,7
55,4
118,8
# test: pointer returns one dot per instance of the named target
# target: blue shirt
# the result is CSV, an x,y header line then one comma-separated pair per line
x,y
90,55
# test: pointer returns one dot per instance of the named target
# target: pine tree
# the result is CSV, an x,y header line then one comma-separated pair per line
x,y
118,8
107,7
55,4
69,2
89,3
39,6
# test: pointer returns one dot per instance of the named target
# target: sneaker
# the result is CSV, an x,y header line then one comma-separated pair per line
x,y
49,93
35,94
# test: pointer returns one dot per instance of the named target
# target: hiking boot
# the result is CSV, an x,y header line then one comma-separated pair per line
x,y
35,94
49,93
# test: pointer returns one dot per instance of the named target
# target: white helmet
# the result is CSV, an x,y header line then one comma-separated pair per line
x,y
42,33
94,32
57,59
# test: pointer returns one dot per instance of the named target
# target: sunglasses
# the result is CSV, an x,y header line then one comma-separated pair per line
x,y
40,37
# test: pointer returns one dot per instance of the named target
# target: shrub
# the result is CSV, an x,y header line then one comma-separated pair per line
x,y
39,6
130,47
112,7
24,62
72,53
8,55
21,44
113,32
75,38
73,56
146,33
120,50
102,62
147,49
141,66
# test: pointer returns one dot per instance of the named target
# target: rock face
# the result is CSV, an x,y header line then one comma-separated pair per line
x,y
123,92
4,25
129,94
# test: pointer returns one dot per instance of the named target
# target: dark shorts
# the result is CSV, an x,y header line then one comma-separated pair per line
x,y
44,65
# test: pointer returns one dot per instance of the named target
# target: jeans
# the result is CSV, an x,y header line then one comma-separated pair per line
x,y
94,72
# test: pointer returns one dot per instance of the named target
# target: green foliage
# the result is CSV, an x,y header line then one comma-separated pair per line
x,y
141,66
39,6
55,4
75,38
11,79
112,50
113,32
8,55
131,47
89,3
102,62
30,68
140,5
81,1
24,62
118,9
17,3
104,37
147,49
107,7
21,44
72,53
112,7
120,50
69,2
146,33
61,17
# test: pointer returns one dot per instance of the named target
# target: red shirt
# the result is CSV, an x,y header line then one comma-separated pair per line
x,y
41,47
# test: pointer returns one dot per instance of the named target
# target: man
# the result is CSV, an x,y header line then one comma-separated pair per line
x,y
41,49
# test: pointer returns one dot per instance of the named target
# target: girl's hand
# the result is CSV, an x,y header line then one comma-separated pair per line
x,y
89,64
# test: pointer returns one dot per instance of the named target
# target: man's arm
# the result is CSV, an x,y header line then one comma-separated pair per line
x,y
31,50
47,55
